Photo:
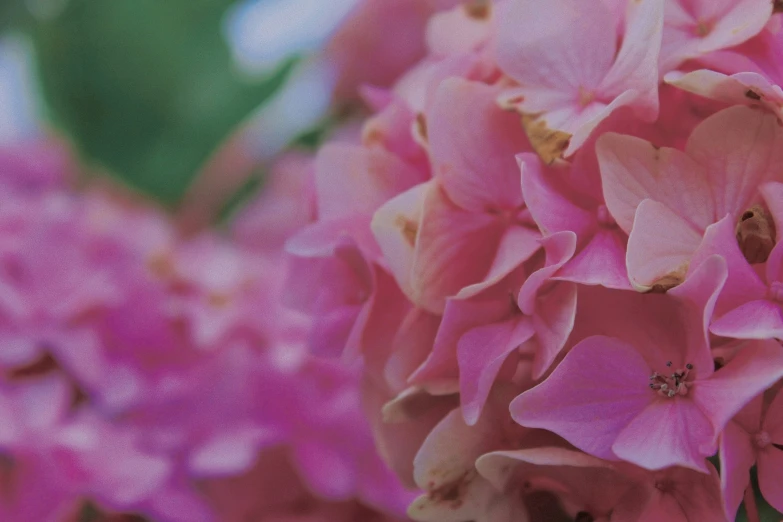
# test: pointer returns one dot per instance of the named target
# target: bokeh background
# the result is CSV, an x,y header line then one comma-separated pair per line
x,y
147,91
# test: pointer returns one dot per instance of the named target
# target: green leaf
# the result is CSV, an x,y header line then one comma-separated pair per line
x,y
146,88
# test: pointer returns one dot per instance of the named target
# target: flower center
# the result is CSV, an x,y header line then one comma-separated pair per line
x,y
762,439
675,384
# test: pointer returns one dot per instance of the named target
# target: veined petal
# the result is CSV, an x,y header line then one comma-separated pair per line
x,y
600,262
760,319
740,148
736,459
669,432
481,353
475,163
592,395
756,367
660,246
633,170
742,283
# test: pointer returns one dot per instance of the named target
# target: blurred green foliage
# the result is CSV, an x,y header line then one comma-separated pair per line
x,y
145,88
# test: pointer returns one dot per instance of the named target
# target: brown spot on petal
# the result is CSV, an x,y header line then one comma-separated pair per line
x,y
42,366
409,229
753,95
549,144
703,28
777,6
371,135
421,126
477,9
218,299
667,282
756,234
453,493
161,265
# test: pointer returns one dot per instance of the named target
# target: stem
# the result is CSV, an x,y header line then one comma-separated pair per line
x,y
750,505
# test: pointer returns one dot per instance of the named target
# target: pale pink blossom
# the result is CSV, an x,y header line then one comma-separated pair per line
x,y
571,70
665,198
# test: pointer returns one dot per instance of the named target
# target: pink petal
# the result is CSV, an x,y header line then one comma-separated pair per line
x,y
476,500
774,267
559,249
323,238
600,262
736,459
586,121
740,148
412,345
516,246
633,169
770,469
459,316
581,480
325,470
695,28
395,227
564,45
773,421
553,323
669,432
770,461
481,353
660,246
600,386
454,249
739,89
546,189
756,367
773,197
475,163
754,320
323,275
378,321
743,283
450,451
635,67
351,179
698,295
698,494
457,32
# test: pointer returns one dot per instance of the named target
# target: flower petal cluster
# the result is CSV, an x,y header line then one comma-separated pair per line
x,y
146,375
555,246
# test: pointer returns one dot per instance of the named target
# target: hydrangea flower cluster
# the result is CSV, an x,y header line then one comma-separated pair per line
x,y
554,246
149,376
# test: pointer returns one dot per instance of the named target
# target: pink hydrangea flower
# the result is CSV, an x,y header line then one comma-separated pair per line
x,y
665,198
674,405
753,436
571,71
